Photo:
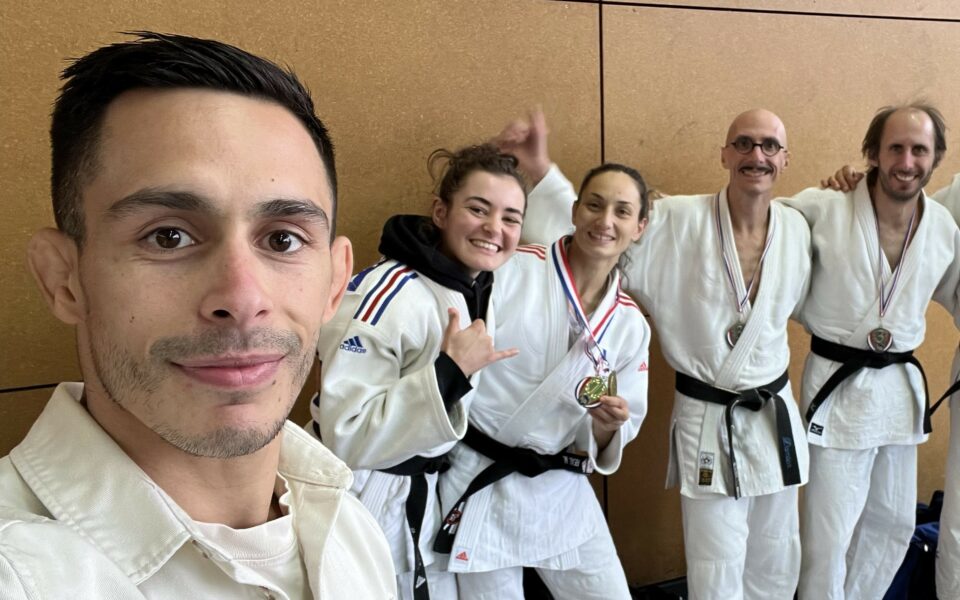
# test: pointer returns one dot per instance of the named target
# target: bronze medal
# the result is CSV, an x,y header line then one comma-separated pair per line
x,y
880,339
733,334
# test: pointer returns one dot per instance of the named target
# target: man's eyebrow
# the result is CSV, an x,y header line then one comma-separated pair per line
x,y
486,202
291,207
155,198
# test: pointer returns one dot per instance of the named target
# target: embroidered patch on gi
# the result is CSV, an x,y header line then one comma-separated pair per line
x,y
706,468
353,345
643,367
461,555
816,429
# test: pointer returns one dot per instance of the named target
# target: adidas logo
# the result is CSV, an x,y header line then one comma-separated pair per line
x,y
462,555
353,345
643,367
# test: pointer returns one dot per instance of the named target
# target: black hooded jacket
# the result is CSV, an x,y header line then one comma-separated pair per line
x,y
413,241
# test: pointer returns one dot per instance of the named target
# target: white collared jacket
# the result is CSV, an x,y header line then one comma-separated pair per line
x,y
79,519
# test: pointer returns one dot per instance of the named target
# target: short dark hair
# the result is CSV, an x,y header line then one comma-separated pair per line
x,y
159,61
871,140
630,172
450,170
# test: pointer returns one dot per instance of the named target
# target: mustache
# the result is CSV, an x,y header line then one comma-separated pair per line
x,y
214,342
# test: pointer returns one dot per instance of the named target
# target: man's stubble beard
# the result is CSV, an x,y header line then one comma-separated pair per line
x,y
122,377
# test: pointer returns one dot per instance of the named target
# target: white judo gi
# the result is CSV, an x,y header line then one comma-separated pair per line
x,y
552,521
734,548
948,548
380,403
859,506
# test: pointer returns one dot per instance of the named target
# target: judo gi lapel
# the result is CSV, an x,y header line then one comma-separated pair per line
x,y
757,313
866,219
573,363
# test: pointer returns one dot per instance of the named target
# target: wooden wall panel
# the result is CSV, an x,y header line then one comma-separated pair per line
x,y
923,9
673,82
18,411
671,91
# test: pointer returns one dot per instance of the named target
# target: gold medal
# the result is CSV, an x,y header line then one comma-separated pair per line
x,y
590,390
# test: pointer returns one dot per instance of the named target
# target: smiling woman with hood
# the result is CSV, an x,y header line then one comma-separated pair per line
x,y
405,350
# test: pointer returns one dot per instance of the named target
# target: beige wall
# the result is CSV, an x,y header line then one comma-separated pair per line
x,y
394,80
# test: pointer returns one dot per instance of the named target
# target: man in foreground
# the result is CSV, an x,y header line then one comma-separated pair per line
x,y
194,190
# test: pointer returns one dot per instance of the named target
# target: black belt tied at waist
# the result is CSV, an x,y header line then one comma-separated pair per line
x,y
854,359
417,469
752,399
506,460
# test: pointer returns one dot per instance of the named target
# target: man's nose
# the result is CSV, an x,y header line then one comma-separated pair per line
x,y
236,291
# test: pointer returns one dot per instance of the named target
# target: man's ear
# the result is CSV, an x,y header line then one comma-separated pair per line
x,y
54,261
341,266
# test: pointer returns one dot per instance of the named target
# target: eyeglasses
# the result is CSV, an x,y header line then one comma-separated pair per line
x,y
745,145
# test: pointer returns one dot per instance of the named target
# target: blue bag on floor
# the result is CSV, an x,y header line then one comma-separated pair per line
x,y
915,578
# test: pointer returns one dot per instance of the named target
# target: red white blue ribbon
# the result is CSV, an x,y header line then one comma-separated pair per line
x,y
885,299
592,337
741,302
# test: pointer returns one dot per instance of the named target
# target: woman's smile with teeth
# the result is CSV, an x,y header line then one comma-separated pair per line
x,y
485,245
603,237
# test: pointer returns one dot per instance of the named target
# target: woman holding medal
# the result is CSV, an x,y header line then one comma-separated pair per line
x,y
414,328
516,492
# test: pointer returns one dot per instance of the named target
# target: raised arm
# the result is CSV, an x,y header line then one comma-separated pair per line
x,y
550,202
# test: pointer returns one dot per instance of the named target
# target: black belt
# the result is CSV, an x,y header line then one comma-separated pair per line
x,y
506,460
416,506
950,391
854,359
753,399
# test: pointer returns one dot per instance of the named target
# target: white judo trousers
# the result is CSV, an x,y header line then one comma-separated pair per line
x,y
677,272
859,506
948,548
862,504
747,548
598,576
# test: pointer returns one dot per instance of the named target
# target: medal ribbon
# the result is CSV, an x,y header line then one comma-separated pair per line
x,y
885,301
592,346
741,302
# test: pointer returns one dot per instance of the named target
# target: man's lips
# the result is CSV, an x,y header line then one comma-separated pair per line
x,y
232,371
